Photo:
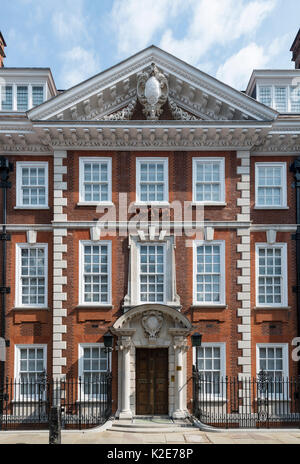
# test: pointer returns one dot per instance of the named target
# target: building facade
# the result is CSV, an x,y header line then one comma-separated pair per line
x,y
151,201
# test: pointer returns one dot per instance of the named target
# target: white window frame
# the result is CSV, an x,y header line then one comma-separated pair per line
x,y
220,243
82,161
222,346
82,243
14,94
284,276
81,395
163,244
286,87
285,365
221,162
271,94
290,87
31,93
283,186
18,285
155,159
17,394
288,96
30,164
28,96
2,94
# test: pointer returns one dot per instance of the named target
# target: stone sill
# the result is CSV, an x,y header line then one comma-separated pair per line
x,y
95,203
31,207
31,308
206,306
94,306
271,308
271,208
208,203
146,204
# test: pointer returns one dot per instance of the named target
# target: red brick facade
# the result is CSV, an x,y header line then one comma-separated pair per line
x,y
87,325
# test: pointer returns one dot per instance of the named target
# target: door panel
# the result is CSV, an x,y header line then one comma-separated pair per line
x,y
151,381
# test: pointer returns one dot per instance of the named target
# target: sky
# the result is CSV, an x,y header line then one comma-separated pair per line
x,y
80,38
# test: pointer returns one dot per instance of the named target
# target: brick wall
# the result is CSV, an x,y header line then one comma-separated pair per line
x,y
89,325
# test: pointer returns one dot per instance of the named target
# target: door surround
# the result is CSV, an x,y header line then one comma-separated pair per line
x,y
152,326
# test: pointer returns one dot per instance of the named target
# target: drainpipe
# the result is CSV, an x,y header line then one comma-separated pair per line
x,y
295,168
5,169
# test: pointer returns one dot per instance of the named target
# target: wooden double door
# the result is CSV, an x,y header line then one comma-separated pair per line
x,y
152,381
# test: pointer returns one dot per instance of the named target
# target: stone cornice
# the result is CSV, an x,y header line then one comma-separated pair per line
x,y
281,137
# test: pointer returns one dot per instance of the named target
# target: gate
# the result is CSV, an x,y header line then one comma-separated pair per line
x,y
260,402
84,403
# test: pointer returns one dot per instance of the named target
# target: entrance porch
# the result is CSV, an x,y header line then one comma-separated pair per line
x,y
152,362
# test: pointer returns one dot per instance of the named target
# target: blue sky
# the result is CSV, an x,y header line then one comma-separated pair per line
x,y
79,38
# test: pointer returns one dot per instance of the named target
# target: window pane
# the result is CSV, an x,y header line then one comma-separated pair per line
x,y
7,98
270,276
33,186
208,181
271,361
95,274
281,99
209,363
95,363
269,185
96,181
33,289
265,95
208,274
32,363
152,273
22,98
152,178
295,99
37,95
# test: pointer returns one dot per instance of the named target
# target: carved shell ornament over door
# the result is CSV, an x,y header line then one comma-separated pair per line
x,y
152,322
152,91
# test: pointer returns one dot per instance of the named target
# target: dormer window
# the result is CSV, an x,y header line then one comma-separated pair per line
x,y
21,97
283,98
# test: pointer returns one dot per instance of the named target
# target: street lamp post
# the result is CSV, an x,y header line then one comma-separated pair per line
x,y
108,340
5,168
196,342
108,343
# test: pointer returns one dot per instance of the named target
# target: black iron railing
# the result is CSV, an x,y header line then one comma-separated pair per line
x,y
83,402
265,401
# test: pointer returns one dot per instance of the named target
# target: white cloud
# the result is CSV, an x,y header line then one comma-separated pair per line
x,y
78,64
237,70
216,22
135,22
69,21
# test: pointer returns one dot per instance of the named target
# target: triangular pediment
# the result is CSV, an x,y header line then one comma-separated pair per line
x,y
189,95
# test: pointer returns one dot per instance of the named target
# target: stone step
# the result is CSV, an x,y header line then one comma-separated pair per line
x,y
151,424
163,425
143,430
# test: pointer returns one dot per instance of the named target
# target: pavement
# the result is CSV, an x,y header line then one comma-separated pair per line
x,y
194,436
